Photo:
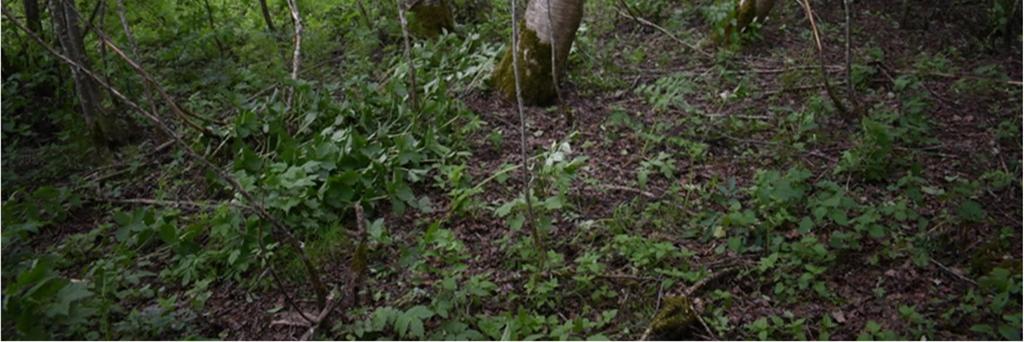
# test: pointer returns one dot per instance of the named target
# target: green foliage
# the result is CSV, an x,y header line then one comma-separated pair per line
x,y
1003,307
720,15
873,331
733,173
663,164
668,92
871,157
553,179
770,327
644,253
652,9
43,305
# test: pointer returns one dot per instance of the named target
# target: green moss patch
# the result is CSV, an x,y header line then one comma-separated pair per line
x,y
431,18
674,319
534,70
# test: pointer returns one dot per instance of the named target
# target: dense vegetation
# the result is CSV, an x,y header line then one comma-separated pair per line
x,y
711,169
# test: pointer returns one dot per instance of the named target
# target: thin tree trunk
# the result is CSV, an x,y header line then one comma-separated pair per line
x,y
408,56
100,126
32,16
364,14
764,8
213,27
538,241
535,48
101,5
134,47
296,54
266,15
849,57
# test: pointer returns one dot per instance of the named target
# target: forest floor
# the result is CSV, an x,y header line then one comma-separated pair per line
x,y
901,219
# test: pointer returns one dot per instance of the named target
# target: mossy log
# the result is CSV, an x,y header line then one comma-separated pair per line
x,y
675,319
430,18
534,52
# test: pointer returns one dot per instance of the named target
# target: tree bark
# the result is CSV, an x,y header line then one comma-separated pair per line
x,y
764,8
100,125
745,13
749,11
535,47
430,17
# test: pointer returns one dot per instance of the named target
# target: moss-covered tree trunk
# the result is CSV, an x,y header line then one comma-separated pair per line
x,y
746,12
430,17
101,126
536,31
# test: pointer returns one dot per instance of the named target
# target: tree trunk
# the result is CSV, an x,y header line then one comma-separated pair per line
x,y
266,15
764,8
534,50
430,17
750,10
32,16
1013,25
213,27
101,127
745,13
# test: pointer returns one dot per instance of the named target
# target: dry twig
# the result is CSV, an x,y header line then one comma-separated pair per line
x,y
821,56
953,272
668,33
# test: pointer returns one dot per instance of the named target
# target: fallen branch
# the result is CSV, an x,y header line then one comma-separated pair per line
x,y
331,305
668,33
700,285
800,88
954,273
156,150
170,203
647,194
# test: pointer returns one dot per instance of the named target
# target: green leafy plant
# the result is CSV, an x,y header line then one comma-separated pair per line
x,y
668,92
42,304
871,158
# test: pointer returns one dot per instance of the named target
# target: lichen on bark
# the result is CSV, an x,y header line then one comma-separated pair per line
x,y
430,18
